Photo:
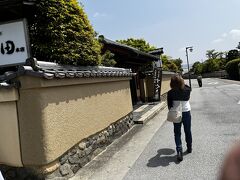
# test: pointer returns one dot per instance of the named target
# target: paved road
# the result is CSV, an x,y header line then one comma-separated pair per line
x,y
148,152
215,126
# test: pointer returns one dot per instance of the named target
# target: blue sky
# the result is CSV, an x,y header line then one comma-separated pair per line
x,y
171,24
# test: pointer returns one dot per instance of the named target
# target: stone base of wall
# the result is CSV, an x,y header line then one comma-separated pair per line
x,y
13,173
78,156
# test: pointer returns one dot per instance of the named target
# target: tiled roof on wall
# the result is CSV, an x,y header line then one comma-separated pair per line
x,y
52,70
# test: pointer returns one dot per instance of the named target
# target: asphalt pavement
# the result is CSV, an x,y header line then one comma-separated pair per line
x,y
148,152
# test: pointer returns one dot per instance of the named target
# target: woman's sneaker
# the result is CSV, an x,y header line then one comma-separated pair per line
x,y
179,156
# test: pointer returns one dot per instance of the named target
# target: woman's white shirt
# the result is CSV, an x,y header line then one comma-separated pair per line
x,y
183,105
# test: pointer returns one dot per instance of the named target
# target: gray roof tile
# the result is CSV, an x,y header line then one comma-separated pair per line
x,y
52,70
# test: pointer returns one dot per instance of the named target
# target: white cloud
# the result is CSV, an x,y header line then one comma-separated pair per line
x,y
97,14
235,33
217,41
224,35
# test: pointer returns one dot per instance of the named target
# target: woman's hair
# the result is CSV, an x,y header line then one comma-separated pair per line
x,y
177,82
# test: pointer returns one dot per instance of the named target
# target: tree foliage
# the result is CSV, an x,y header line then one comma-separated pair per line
x,y
232,69
211,65
215,62
169,64
212,54
60,32
232,54
178,62
139,44
195,68
108,59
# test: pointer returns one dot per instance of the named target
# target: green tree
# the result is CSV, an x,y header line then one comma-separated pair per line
x,y
199,69
108,59
139,44
216,61
233,69
164,62
222,63
178,63
60,32
211,65
221,55
195,66
212,54
168,64
232,54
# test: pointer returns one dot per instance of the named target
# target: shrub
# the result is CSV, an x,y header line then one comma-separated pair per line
x,y
232,69
60,32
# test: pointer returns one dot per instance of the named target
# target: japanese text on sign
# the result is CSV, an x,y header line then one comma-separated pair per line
x,y
13,43
157,81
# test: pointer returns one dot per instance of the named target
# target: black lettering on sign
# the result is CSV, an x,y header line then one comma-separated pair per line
x,y
22,49
2,49
9,48
156,80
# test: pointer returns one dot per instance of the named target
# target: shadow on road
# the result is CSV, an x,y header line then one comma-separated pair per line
x,y
163,158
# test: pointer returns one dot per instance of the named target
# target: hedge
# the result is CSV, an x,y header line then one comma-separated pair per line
x,y
232,69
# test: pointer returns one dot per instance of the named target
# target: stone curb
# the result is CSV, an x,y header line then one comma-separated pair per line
x,y
151,113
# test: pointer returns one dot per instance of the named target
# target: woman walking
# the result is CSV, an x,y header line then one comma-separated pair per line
x,y
180,95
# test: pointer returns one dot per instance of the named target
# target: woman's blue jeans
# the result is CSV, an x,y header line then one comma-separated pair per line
x,y
186,121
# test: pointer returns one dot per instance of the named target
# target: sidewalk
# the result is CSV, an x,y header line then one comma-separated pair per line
x,y
119,157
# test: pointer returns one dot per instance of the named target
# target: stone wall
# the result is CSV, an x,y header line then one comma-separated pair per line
x,y
74,159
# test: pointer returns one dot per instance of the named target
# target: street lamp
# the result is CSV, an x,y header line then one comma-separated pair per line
x,y
190,48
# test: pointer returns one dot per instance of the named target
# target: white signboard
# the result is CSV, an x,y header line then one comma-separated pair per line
x,y
13,43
